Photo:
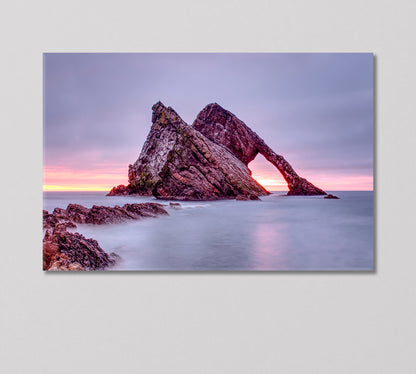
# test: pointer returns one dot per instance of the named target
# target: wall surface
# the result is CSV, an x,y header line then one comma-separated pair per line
x,y
207,323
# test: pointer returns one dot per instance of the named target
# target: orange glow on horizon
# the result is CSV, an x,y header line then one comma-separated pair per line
x,y
66,179
267,175
271,184
326,182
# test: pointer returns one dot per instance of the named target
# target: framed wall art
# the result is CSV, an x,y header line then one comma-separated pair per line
x,y
208,162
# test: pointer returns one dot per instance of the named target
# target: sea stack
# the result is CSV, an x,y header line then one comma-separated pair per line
x,y
177,162
205,161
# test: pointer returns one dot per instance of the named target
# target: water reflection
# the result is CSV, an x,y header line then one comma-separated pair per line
x,y
269,247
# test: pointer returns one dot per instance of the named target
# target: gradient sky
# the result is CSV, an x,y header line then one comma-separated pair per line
x,y
314,109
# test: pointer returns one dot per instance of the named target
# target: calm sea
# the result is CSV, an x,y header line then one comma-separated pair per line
x,y
278,233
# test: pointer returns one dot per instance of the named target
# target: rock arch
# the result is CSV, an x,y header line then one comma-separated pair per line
x,y
224,128
206,161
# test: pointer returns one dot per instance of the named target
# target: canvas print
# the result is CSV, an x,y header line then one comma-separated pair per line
x,y
208,162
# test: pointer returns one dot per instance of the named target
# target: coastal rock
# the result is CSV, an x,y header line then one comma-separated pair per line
x,y
50,249
145,210
174,205
60,213
247,197
224,128
330,196
99,215
59,216
177,162
120,190
205,161
77,213
62,262
66,251
74,252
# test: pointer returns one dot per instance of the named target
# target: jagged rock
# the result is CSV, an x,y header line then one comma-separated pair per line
x,y
77,213
49,221
177,162
101,214
247,197
120,190
59,216
65,251
145,209
330,196
60,213
50,249
72,251
61,262
223,127
174,205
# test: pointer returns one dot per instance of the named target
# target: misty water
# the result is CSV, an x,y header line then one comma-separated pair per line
x,y
277,233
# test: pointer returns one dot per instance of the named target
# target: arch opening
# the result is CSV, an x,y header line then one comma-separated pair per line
x,y
267,175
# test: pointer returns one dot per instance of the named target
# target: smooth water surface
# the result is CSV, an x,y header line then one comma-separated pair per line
x,y
278,233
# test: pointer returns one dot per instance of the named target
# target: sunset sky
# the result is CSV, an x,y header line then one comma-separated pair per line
x,y
314,109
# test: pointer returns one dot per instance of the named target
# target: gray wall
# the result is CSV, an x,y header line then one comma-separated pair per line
x,y
206,323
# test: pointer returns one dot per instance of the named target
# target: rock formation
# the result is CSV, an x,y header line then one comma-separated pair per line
x,y
63,250
99,215
174,205
223,127
330,196
178,162
206,161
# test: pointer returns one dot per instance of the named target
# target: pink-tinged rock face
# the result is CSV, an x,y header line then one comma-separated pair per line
x,y
178,162
223,127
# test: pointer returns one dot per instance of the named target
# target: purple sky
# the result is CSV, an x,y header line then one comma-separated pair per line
x,y
315,109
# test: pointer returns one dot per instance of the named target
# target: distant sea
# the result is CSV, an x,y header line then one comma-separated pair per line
x,y
284,233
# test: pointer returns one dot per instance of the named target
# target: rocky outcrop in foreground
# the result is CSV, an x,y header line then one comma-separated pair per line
x,y
63,250
206,161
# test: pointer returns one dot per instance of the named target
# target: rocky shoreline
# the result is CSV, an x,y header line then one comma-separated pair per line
x,y
70,251
65,250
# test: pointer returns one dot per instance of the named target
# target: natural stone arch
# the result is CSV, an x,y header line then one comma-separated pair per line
x,y
206,161
223,127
